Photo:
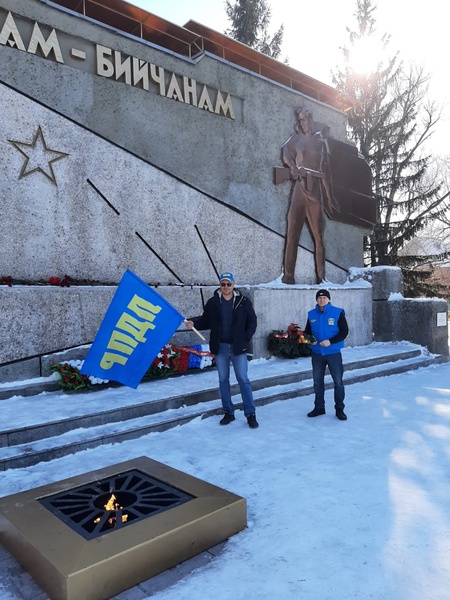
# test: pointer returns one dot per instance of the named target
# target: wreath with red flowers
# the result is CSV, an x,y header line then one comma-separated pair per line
x,y
292,343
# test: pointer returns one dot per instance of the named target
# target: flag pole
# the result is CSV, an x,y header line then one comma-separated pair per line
x,y
196,331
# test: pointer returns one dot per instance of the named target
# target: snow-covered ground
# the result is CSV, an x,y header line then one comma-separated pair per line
x,y
336,510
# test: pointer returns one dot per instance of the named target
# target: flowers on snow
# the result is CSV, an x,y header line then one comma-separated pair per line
x,y
169,360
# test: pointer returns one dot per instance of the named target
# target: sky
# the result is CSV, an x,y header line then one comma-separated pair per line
x,y
353,510
313,36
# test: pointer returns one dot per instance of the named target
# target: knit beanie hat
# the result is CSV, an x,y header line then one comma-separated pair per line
x,y
323,293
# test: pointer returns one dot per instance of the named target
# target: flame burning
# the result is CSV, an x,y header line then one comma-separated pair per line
x,y
113,505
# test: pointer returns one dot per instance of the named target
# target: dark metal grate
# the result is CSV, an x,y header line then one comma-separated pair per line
x,y
136,496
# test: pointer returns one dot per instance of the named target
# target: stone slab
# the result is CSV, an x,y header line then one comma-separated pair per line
x,y
413,320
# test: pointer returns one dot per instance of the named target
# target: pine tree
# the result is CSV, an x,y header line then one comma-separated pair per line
x,y
250,20
391,120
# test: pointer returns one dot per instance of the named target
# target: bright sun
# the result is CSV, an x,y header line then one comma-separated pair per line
x,y
366,55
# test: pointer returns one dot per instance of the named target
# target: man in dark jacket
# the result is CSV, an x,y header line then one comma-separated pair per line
x,y
328,325
232,322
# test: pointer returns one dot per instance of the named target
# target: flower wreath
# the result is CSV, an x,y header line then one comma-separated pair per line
x,y
292,343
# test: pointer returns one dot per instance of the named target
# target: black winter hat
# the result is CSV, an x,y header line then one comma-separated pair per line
x,y
323,293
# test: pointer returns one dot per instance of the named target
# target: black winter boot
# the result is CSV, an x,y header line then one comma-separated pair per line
x,y
316,412
341,415
252,422
227,418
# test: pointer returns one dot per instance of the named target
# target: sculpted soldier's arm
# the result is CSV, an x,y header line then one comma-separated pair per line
x,y
288,155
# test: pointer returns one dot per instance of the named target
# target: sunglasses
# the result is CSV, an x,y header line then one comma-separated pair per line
x,y
226,284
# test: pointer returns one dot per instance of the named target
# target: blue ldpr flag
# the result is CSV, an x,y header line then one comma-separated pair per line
x,y
136,326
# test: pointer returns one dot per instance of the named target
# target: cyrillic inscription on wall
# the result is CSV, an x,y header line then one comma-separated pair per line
x,y
35,38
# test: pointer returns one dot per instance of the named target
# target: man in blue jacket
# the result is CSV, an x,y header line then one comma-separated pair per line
x,y
232,322
328,325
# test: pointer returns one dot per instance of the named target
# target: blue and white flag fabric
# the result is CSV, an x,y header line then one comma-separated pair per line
x,y
136,326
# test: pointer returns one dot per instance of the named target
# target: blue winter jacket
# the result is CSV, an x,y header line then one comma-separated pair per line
x,y
330,324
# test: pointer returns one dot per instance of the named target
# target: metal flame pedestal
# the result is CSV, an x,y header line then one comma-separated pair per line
x,y
37,527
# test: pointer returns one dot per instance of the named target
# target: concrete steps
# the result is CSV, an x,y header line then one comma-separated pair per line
x,y
159,407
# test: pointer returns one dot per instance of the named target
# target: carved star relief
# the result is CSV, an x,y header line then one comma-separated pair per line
x,y
38,157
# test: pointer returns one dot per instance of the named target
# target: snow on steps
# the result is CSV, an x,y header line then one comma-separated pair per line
x,y
285,379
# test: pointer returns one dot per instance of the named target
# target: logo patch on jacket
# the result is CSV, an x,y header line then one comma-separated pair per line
x,y
331,321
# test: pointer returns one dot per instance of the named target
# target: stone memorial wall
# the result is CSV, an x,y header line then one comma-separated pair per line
x,y
132,143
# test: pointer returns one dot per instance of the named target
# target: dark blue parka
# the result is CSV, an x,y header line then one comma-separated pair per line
x,y
243,323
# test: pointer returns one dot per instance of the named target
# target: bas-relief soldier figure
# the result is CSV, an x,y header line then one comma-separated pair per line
x,y
306,154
